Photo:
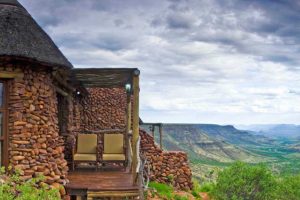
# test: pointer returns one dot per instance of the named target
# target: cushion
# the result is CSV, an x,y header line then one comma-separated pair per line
x,y
113,143
85,157
87,143
107,157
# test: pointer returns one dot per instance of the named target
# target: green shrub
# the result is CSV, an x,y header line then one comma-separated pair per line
x,y
207,187
162,190
289,188
15,189
196,189
245,182
177,197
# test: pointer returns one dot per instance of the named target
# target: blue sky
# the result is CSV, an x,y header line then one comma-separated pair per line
x,y
201,61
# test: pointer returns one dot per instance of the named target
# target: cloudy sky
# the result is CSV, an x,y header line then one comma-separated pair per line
x,y
201,61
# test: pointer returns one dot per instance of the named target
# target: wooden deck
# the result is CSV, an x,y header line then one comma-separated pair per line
x,y
101,183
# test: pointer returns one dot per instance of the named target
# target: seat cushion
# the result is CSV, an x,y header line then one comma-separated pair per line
x,y
107,157
85,157
113,143
87,143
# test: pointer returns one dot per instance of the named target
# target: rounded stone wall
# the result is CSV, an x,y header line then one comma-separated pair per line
x,y
35,146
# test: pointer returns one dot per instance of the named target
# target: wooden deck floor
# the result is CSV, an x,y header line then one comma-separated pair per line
x,y
83,182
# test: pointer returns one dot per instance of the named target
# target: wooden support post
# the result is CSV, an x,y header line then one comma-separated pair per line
x,y
160,136
153,130
128,118
128,125
135,123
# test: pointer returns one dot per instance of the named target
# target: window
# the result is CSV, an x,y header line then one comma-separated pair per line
x,y
3,123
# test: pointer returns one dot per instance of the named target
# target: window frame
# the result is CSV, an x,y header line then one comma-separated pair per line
x,y
4,111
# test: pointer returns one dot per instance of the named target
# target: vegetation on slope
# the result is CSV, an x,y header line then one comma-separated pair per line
x,y
242,181
13,188
239,181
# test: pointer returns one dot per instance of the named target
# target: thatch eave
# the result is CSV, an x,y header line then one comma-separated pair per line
x,y
22,37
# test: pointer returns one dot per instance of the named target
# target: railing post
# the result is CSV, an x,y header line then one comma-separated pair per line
x,y
160,136
153,130
135,122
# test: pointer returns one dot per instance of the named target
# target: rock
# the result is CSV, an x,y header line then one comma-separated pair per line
x,y
31,107
41,140
19,123
20,142
17,158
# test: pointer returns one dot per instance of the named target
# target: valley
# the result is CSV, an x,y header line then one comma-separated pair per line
x,y
212,147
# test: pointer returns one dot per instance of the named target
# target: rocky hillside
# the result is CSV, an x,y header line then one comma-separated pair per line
x,y
211,147
211,142
232,135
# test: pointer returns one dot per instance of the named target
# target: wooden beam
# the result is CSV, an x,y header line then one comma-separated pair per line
x,y
61,92
5,74
153,130
61,81
115,194
160,137
105,131
135,123
148,123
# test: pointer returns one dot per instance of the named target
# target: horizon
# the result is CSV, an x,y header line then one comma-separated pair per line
x,y
200,123
233,62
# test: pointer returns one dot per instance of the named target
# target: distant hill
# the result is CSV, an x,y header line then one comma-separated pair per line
x,y
232,135
210,142
211,147
295,147
275,130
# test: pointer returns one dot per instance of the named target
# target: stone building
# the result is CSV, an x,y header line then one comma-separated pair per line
x,y
45,103
29,134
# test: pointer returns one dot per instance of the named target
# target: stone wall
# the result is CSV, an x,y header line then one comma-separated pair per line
x,y
101,109
35,146
166,166
105,108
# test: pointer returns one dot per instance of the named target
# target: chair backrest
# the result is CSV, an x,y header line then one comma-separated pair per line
x,y
87,143
113,143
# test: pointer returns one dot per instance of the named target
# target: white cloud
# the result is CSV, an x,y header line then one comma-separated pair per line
x,y
201,61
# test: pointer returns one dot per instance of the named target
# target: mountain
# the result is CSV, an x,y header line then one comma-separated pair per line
x,y
210,142
232,135
275,130
295,146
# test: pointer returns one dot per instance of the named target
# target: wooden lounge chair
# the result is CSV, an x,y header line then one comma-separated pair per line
x,y
114,149
86,150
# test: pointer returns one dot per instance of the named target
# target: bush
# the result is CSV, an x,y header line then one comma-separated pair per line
x,y
196,189
207,187
245,182
15,189
177,197
162,190
289,188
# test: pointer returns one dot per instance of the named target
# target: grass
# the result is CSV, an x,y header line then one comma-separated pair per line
x,y
162,190
177,197
206,187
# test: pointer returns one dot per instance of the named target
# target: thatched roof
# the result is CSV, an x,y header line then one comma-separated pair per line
x,y
22,37
103,77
